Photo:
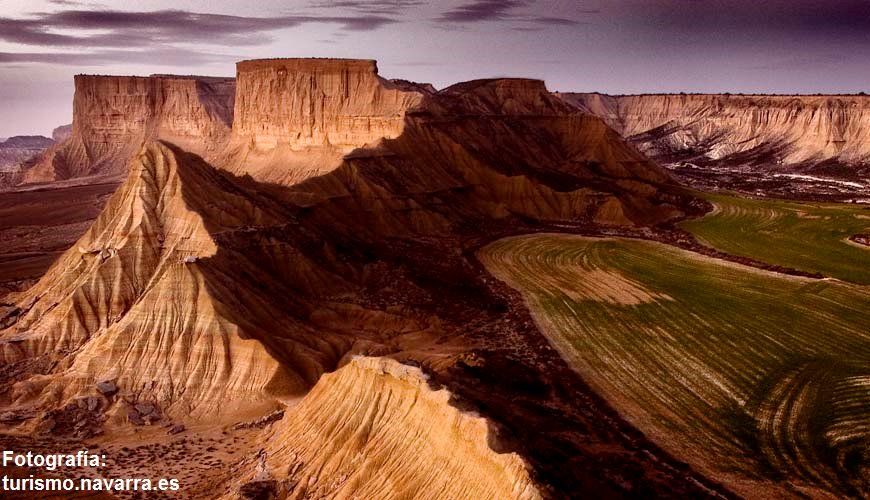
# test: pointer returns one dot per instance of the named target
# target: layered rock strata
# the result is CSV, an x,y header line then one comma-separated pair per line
x,y
17,154
113,115
771,129
207,291
376,429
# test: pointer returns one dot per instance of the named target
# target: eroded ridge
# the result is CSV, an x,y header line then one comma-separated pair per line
x,y
211,291
376,429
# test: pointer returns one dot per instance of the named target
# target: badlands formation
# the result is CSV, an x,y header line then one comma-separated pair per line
x,y
759,138
113,115
17,154
311,217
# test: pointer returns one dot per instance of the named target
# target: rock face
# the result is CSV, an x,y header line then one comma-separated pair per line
x,y
317,102
112,115
789,130
375,429
213,290
18,153
296,118
179,228
61,133
131,298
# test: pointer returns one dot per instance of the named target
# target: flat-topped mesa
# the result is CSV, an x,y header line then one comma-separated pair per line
x,y
792,129
317,102
113,115
107,110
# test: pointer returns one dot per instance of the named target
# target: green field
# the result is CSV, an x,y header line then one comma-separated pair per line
x,y
759,379
807,236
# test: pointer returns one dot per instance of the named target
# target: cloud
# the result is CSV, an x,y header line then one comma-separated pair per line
x,y
67,3
559,21
478,11
482,10
169,56
371,7
801,19
134,29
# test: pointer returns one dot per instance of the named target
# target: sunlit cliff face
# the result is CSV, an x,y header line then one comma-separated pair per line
x,y
112,115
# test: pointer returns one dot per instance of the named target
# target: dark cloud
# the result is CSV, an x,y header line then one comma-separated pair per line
x,y
558,21
482,10
134,29
69,3
375,7
752,19
478,11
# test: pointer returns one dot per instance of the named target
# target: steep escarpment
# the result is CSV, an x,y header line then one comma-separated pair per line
x,y
375,429
180,228
17,154
296,118
316,102
774,129
211,291
112,115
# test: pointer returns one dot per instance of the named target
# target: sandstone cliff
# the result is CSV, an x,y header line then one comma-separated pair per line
x,y
158,268
113,115
17,154
211,290
375,429
134,304
750,129
316,102
296,118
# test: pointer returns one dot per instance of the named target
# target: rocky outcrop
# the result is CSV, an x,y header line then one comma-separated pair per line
x,y
296,118
376,429
113,115
506,96
27,142
132,301
316,102
767,130
217,290
154,281
17,154
62,133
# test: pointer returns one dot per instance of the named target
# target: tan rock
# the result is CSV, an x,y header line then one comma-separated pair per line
x,y
375,429
113,115
787,129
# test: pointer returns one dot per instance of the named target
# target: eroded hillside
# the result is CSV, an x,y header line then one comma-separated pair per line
x,y
367,431
17,154
209,292
766,142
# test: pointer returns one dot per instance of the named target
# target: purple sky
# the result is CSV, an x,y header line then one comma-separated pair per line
x,y
614,46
